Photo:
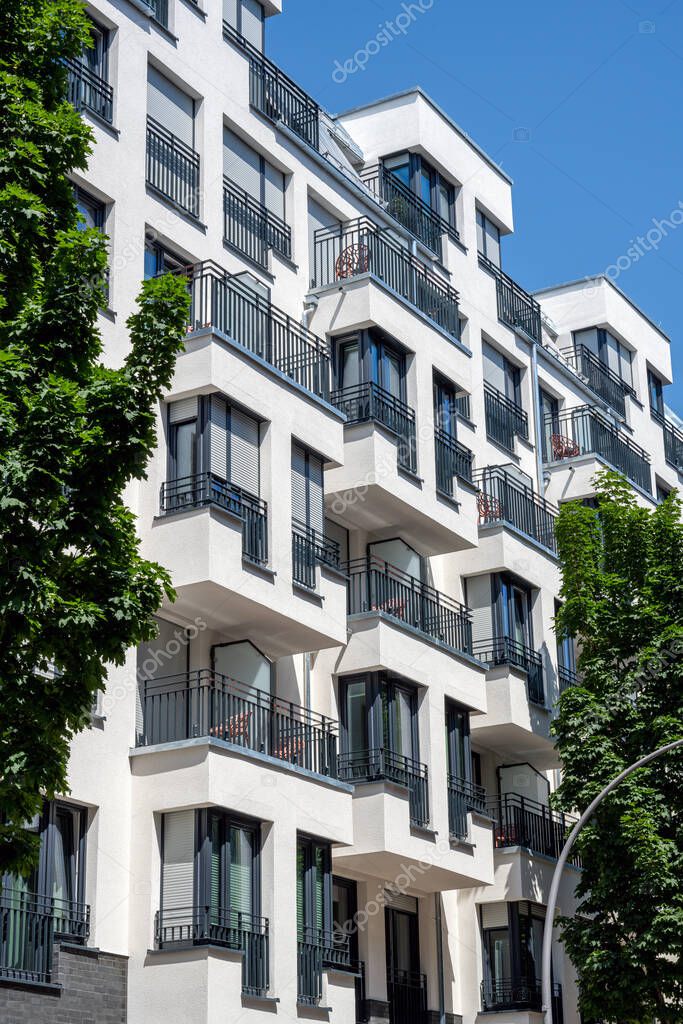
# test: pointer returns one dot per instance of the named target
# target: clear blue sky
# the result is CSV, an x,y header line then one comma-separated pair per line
x,y
598,84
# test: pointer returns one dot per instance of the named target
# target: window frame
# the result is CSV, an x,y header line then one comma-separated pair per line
x,y
417,164
203,852
655,387
309,845
482,222
239,4
379,729
385,346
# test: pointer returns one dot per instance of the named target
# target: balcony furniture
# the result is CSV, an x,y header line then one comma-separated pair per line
x,y
222,301
355,259
220,926
204,489
205,703
403,273
563,447
489,508
381,764
509,501
585,430
377,586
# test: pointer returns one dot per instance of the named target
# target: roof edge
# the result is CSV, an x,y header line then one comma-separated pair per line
x,y
618,290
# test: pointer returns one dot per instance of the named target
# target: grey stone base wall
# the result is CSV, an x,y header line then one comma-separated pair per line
x,y
88,987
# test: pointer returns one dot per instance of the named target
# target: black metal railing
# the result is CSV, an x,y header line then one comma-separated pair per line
x,y
516,307
505,420
203,489
407,208
463,796
503,650
673,440
205,703
518,993
320,949
370,402
453,459
382,764
521,821
220,926
311,548
275,95
600,379
360,247
566,677
252,228
87,91
407,996
584,431
172,167
221,301
504,499
29,925
376,586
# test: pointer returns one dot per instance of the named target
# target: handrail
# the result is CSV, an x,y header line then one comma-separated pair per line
x,y
205,703
453,459
504,418
408,208
463,796
516,307
582,431
359,247
506,500
377,586
172,167
251,227
310,548
673,440
503,650
89,91
600,378
380,763
522,821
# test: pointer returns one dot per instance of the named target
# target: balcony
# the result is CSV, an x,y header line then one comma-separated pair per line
x,y
604,382
172,168
359,248
407,208
463,797
252,229
204,489
365,403
318,950
529,824
501,994
407,996
186,927
87,91
29,925
505,420
584,431
376,587
453,460
207,704
506,501
516,308
220,301
275,95
502,650
673,441
566,677
385,765
310,548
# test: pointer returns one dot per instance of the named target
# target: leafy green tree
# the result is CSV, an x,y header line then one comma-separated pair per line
x,y
622,588
74,591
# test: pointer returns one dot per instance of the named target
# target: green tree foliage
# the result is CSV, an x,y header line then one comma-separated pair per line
x,y
622,588
74,591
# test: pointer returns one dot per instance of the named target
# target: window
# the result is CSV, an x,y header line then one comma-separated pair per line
x,y
512,942
550,420
243,662
512,611
253,173
458,741
369,358
170,107
96,56
656,390
313,888
417,174
566,654
207,434
445,406
379,712
488,238
609,350
247,18
159,260
93,212
307,488
501,374
663,492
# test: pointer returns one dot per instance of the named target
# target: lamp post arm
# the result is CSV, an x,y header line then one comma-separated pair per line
x,y
546,959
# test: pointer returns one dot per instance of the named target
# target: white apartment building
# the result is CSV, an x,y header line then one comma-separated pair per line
x,y
323,792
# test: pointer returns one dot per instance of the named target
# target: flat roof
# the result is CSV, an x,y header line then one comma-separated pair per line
x,y
417,90
604,277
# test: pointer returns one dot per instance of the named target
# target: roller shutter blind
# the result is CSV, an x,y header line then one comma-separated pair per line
x,y
274,191
218,436
170,106
316,498
241,869
241,164
307,488
399,901
252,23
177,886
494,915
185,409
299,508
244,451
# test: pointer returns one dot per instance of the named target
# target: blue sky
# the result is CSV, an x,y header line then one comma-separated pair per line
x,y
598,86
